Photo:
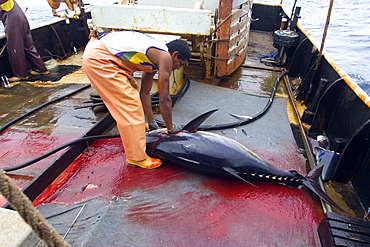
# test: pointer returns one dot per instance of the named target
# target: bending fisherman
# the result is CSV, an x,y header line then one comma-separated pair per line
x,y
111,60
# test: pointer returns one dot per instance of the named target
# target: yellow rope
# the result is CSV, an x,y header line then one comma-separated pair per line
x,y
29,213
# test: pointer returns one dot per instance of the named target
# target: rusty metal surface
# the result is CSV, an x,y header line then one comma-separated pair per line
x,y
232,35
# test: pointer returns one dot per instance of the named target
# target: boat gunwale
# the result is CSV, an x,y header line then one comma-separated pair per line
x,y
343,74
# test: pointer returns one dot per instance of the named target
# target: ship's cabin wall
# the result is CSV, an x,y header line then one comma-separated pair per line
x,y
190,4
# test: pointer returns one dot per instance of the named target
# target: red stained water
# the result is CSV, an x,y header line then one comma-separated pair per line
x,y
181,208
101,171
18,147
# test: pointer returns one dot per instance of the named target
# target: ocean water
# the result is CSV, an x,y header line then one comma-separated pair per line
x,y
348,36
347,41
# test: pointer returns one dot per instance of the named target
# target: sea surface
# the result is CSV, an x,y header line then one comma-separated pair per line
x,y
348,36
347,41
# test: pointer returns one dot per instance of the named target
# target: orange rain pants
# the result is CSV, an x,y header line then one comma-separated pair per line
x,y
113,80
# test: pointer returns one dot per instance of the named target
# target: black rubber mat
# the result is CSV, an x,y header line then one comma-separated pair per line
x,y
340,230
55,73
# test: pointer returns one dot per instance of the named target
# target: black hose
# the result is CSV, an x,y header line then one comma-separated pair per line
x,y
39,107
84,139
244,120
182,91
251,119
97,101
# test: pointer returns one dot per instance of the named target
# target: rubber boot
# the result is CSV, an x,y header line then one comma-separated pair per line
x,y
148,163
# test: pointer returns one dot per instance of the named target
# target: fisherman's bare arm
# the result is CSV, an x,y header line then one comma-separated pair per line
x,y
165,102
163,61
146,86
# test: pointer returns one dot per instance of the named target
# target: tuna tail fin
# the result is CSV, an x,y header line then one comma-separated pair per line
x,y
193,125
312,183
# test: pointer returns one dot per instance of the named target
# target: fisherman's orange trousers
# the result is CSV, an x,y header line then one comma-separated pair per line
x,y
113,80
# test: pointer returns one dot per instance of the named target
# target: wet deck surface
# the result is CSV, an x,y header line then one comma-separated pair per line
x,y
171,206
44,129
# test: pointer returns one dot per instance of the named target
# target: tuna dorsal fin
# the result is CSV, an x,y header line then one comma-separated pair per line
x,y
193,125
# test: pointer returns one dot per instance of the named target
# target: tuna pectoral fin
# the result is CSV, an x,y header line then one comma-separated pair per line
x,y
312,183
235,173
189,160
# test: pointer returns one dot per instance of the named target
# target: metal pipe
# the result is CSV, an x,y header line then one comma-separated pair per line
x,y
74,221
307,146
260,67
310,157
291,16
324,34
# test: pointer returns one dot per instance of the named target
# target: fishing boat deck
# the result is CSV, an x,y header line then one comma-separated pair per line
x,y
169,206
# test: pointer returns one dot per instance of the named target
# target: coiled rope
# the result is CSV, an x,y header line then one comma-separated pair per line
x,y
29,213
